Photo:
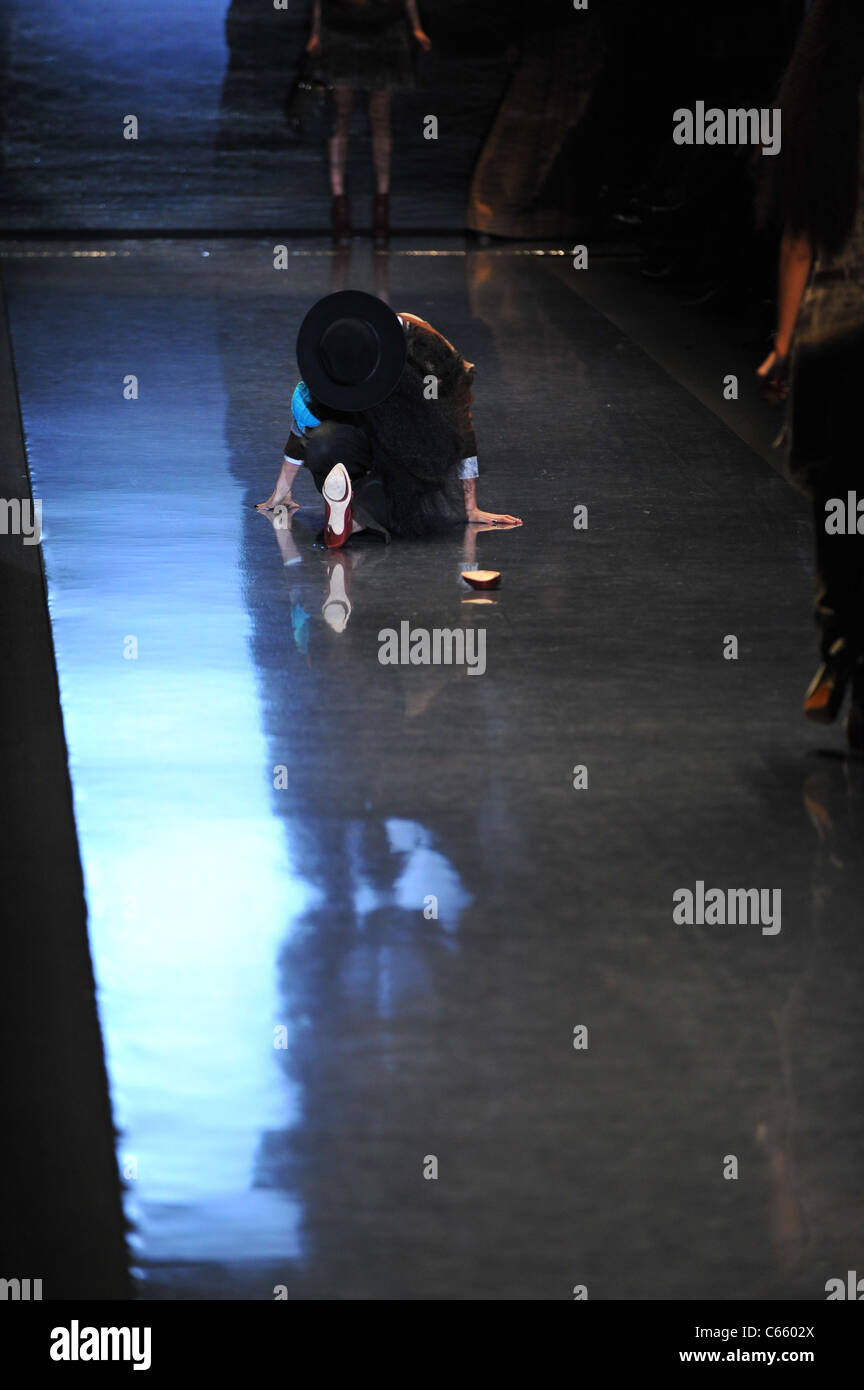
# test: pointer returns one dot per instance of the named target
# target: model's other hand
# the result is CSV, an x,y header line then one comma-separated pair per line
x,y
773,376
493,518
423,39
314,44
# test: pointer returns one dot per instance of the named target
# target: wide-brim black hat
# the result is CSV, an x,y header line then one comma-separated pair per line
x,y
351,350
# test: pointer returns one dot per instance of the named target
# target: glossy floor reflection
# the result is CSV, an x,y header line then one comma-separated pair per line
x,y
268,815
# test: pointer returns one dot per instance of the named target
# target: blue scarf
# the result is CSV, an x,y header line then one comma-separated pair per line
x,y
301,409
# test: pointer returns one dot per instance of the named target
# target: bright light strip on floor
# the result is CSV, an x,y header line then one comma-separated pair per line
x,y
14,254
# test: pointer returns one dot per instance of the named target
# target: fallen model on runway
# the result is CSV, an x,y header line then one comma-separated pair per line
x,y
382,420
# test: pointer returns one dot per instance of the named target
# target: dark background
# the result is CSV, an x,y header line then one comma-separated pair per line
x,y
208,81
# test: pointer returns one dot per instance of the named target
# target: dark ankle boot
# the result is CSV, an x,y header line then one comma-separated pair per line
x,y
340,219
381,219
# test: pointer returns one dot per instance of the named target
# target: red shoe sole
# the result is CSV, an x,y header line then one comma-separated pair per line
x,y
334,539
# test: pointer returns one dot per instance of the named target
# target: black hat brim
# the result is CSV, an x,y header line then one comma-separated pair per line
x,y
392,350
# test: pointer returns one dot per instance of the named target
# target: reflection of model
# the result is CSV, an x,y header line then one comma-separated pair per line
x,y
364,45
816,188
382,420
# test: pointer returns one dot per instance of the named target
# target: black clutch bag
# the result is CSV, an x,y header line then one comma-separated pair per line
x,y
306,108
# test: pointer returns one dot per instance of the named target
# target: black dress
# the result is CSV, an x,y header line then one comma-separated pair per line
x,y
366,44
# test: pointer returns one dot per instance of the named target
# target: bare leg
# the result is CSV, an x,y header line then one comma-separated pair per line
x,y
382,139
337,145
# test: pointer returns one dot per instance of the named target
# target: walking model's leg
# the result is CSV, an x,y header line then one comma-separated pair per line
x,y
382,152
337,153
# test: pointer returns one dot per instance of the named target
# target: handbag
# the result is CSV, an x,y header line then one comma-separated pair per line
x,y
306,106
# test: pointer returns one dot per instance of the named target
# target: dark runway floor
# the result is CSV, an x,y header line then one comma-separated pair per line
x,y
265,811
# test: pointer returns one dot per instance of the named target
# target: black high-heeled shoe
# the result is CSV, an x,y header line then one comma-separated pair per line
x,y
825,692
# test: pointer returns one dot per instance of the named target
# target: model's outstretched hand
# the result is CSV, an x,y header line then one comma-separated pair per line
x,y
477,516
278,498
314,44
423,39
281,494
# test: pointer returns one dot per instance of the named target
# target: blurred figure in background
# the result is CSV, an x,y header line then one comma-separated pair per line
x,y
364,45
531,177
814,190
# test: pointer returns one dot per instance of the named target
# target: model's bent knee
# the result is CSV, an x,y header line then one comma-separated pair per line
x,y
331,443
